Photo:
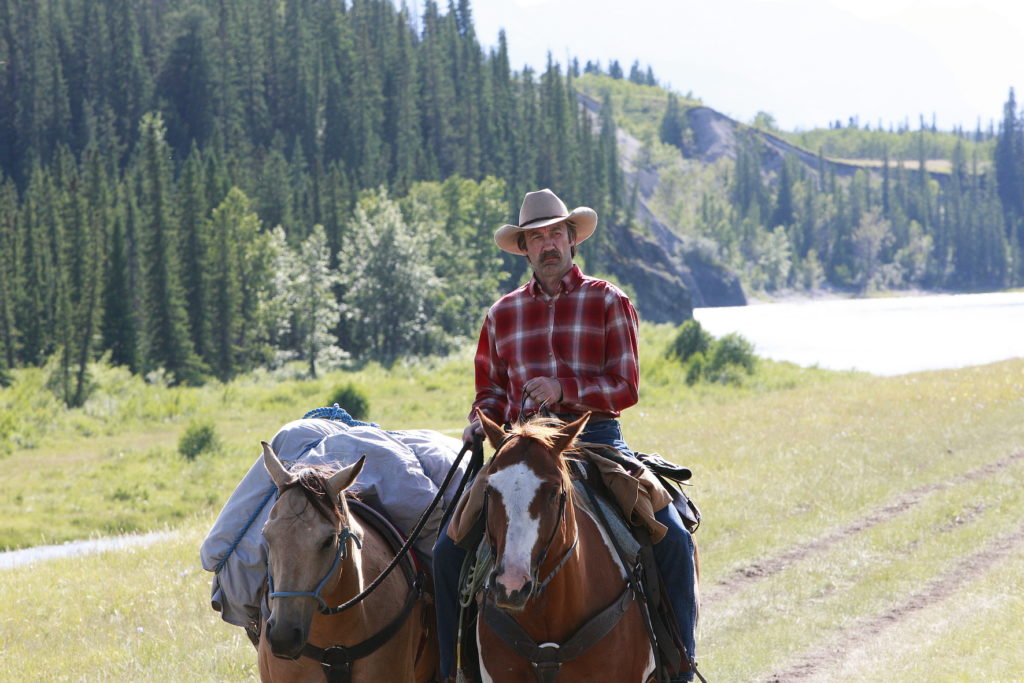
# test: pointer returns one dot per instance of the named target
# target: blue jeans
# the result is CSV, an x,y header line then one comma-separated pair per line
x,y
674,555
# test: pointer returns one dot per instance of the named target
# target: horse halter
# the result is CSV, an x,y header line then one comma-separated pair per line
x,y
541,585
343,538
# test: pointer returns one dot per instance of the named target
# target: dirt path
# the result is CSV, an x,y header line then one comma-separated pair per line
x,y
818,662
750,574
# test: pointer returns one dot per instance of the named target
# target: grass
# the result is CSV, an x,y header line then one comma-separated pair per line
x,y
113,466
859,526
136,615
637,108
932,165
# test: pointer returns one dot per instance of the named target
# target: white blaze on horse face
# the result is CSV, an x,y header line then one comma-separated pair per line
x,y
517,485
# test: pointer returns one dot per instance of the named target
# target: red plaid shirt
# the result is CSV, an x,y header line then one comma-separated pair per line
x,y
585,336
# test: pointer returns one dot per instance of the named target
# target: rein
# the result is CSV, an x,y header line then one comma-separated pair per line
x,y
477,447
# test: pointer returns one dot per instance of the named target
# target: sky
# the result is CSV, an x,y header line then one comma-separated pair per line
x,y
805,62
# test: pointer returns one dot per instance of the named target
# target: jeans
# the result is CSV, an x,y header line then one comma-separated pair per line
x,y
673,554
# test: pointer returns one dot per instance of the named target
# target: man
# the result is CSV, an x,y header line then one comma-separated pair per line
x,y
568,343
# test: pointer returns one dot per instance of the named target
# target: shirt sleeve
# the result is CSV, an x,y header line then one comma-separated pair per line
x,y
617,387
491,376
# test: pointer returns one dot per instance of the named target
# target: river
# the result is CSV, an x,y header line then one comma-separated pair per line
x,y
889,336
17,558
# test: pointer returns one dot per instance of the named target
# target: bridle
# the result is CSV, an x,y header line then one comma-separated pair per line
x,y
336,661
539,587
546,659
342,539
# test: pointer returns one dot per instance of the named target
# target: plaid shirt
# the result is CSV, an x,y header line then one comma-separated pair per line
x,y
585,336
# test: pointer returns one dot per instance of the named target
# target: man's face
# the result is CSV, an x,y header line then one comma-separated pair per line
x,y
549,251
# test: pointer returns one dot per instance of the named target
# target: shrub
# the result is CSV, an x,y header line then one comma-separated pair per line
x,y
199,438
695,369
724,361
691,340
732,350
352,399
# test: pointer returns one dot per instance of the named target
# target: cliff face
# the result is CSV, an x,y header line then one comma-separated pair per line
x,y
669,279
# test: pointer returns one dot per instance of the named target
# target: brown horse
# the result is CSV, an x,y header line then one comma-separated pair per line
x,y
558,603
320,555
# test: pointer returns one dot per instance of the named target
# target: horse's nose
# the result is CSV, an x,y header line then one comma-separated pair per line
x,y
284,642
512,597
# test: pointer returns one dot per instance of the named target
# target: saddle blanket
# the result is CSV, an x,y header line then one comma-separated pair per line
x,y
402,474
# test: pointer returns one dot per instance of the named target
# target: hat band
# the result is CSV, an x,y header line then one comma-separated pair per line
x,y
542,218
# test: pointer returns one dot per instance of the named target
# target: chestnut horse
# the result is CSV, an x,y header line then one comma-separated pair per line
x,y
559,603
320,555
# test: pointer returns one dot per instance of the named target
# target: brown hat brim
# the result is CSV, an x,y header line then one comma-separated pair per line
x,y
583,218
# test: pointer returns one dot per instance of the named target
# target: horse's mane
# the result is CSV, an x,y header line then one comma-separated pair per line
x,y
544,430
312,481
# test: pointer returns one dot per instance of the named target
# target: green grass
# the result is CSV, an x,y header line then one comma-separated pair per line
x,y
134,615
637,108
788,466
113,466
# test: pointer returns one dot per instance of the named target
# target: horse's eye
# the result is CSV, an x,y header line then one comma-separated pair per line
x,y
552,495
327,543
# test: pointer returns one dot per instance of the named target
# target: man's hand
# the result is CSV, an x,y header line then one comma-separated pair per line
x,y
544,390
473,429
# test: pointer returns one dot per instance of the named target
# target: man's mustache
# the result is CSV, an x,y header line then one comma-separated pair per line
x,y
550,256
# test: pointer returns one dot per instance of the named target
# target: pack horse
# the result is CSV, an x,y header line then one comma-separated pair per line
x,y
320,553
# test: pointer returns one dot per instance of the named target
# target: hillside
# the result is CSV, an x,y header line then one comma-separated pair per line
x,y
782,217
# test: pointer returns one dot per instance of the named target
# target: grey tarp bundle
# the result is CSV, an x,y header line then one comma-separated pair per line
x,y
402,474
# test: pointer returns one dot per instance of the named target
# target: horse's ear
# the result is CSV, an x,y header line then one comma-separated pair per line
x,y
568,433
345,477
278,473
495,434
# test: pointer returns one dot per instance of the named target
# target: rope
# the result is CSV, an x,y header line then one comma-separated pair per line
x,y
338,414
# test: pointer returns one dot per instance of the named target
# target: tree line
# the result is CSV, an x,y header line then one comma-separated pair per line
x,y
200,187
802,226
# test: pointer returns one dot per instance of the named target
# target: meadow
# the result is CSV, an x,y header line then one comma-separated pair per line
x,y
855,527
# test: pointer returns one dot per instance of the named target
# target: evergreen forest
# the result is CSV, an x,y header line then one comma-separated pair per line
x,y
197,188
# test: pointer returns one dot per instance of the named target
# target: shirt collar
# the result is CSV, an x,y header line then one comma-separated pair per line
x,y
569,282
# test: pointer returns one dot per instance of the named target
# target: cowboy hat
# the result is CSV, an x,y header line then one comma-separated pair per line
x,y
540,209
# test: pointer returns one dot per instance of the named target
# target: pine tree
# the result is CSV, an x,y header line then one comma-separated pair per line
x,y
165,339
437,93
194,240
671,130
232,223
119,324
783,213
185,84
9,253
401,125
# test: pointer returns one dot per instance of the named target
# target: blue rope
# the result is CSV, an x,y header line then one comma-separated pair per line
x,y
338,413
